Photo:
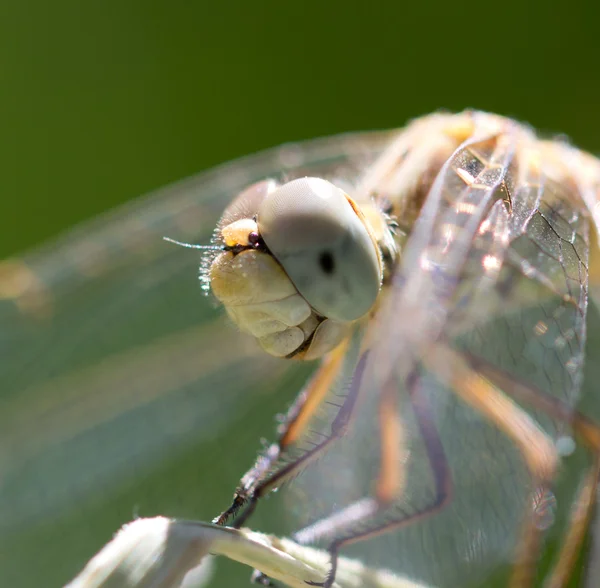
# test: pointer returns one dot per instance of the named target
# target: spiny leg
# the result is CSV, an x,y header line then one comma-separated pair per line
x,y
390,479
537,448
257,482
588,432
339,427
581,515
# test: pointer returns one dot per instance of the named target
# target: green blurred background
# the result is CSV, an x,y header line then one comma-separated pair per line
x,y
104,101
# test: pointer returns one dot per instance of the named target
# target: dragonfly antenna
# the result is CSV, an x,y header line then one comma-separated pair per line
x,y
192,245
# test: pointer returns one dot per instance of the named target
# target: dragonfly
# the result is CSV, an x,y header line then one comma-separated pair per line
x,y
424,290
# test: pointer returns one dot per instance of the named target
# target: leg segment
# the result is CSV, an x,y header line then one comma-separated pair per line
x,y
536,446
389,483
487,389
258,481
589,433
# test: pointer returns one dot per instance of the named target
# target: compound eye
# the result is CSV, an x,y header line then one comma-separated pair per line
x,y
322,242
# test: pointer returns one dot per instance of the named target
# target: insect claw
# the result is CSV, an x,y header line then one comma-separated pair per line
x,y
329,579
238,502
327,584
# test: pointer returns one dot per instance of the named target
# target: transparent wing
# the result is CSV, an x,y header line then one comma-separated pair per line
x,y
123,390
496,268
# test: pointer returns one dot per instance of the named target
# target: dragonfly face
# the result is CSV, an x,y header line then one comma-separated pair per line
x,y
299,242
431,436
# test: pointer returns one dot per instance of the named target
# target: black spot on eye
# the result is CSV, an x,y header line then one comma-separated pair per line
x,y
327,262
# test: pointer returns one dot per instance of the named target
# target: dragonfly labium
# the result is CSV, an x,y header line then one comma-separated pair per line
x,y
437,277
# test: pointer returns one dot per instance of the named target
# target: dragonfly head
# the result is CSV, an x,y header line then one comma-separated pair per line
x,y
299,264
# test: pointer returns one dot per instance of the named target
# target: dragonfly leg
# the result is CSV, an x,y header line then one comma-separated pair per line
x,y
333,550
536,447
484,389
588,432
581,515
389,483
259,480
